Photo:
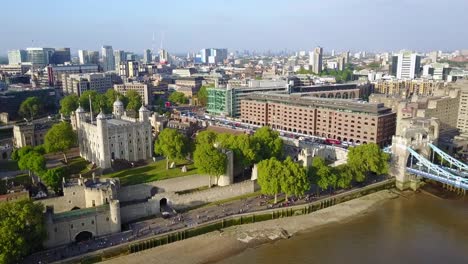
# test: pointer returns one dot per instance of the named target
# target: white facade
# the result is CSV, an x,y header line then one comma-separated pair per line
x,y
83,56
315,59
408,65
114,137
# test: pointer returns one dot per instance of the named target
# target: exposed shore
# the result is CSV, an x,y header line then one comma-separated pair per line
x,y
214,246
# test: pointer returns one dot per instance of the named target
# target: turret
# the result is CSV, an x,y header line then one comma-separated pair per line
x,y
143,114
115,216
118,110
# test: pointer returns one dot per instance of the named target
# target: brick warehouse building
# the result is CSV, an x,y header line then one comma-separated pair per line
x,y
346,120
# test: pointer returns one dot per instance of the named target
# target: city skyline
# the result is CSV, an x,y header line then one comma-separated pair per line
x,y
187,26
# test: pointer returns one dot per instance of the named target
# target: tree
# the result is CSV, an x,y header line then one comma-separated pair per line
x,y
22,229
32,162
367,158
112,95
171,144
178,98
84,101
134,101
202,95
31,107
18,153
270,172
210,160
206,137
53,178
294,180
269,143
344,176
60,138
322,175
68,104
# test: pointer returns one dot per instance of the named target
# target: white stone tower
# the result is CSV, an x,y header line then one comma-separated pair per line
x,y
103,147
118,110
143,114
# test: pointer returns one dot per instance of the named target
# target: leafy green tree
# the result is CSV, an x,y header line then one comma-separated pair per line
x,y
210,160
269,143
22,229
68,104
202,95
60,138
178,98
322,174
206,137
84,101
53,178
32,162
112,95
270,174
18,153
31,107
246,149
171,144
344,176
294,180
367,158
134,101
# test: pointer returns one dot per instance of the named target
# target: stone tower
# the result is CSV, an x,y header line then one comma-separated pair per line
x,y
143,114
118,110
116,224
103,148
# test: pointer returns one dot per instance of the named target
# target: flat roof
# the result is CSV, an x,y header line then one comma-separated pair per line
x,y
344,104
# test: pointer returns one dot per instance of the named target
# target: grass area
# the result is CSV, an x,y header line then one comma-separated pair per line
x,y
77,165
8,165
153,172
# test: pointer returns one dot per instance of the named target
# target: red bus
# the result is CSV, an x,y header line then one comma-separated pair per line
x,y
332,141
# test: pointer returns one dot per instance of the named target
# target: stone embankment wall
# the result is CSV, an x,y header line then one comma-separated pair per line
x,y
137,211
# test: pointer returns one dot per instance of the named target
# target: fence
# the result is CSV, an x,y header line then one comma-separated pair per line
x,y
159,240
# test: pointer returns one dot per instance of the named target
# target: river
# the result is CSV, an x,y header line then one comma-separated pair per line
x,y
417,229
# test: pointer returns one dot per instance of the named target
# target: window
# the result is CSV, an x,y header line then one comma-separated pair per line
x,y
107,219
71,226
92,222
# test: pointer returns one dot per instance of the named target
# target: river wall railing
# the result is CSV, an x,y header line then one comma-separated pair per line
x,y
233,220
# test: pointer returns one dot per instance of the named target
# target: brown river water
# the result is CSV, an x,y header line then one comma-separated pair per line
x,y
417,229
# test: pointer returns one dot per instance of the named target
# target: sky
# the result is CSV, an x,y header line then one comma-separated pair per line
x,y
262,25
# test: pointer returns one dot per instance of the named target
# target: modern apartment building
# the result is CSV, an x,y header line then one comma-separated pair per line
x,y
462,123
108,60
142,89
79,83
147,56
54,73
345,120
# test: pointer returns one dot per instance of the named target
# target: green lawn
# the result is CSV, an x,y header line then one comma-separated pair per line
x,y
152,172
8,165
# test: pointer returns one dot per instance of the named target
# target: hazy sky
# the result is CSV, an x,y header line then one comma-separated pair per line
x,y
189,25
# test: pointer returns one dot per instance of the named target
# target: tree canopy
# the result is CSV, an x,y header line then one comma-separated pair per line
x,y
53,178
295,180
202,95
269,143
367,158
210,160
134,101
33,162
68,104
31,107
178,98
171,144
60,138
270,172
22,229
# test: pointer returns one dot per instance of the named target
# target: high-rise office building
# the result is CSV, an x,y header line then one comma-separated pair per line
x,y
83,56
61,56
93,57
119,56
408,65
212,56
128,69
163,56
147,56
17,56
40,57
315,59
108,60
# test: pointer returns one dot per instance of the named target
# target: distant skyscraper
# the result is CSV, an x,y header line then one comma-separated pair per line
x,y
93,57
108,60
17,56
333,53
147,56
408,65
163,56
315,59
61,56
119,56
83,56
40,56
